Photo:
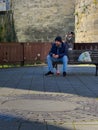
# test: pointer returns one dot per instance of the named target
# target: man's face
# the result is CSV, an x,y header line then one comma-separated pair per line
x,y
57,43
70,35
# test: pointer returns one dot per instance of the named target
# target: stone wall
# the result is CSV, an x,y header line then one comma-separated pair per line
x,y
42,20
86,21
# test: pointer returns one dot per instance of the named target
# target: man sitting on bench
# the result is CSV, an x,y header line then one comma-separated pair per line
x,y
58,53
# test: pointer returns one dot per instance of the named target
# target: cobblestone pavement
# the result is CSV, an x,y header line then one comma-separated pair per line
x,y
31,101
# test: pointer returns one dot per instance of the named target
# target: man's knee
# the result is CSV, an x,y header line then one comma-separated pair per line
x,y
65,59
48,57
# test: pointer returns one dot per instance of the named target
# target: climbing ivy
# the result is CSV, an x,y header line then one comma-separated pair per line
x,y
7,30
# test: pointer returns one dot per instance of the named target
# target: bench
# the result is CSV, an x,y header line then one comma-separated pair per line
x,y
73,56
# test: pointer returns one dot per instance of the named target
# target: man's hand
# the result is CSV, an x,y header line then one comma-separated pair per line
x,y
55,56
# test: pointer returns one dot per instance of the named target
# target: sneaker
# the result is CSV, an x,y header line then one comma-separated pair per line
x,y
49,73
64,74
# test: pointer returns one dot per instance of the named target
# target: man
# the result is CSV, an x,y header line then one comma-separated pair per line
x,y
57,53
69,39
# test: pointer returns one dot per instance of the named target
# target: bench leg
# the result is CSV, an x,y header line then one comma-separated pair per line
x,y
55,65
96,69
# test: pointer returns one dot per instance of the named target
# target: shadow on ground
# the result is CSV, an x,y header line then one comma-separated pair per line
x,y
9,122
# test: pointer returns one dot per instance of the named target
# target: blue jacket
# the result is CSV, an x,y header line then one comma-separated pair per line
x,y
61,51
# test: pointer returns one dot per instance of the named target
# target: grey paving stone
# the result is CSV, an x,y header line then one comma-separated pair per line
x,y
6,125
50,127
86,126
33,126
35,101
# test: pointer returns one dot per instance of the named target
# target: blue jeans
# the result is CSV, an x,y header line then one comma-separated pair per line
x,y
64,60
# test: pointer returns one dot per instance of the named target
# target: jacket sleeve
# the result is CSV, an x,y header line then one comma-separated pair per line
x,y
52,51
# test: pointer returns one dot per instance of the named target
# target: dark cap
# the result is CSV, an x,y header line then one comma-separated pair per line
x,y
58,38
72,33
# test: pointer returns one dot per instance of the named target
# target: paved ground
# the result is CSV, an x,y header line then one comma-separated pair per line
x,y
31,101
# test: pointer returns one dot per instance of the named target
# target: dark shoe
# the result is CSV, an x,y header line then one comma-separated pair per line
x,y
64,74
49,73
